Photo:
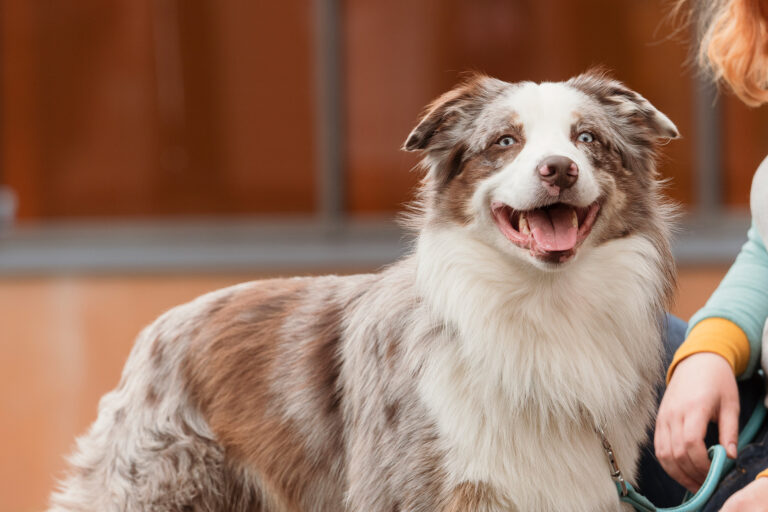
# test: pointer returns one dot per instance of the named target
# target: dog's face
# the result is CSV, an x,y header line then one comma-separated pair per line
x,y
540,170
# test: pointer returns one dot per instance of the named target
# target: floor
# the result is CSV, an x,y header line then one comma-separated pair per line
x,y
63,341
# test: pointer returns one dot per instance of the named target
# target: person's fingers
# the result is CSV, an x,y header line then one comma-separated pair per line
x,y
681,457
702,389
728,424
663,446
694,430
683,479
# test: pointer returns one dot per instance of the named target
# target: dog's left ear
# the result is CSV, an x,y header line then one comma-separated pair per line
x,y
626,104
449,113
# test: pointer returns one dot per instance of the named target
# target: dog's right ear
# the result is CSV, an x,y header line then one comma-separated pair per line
x,y
437,116
447,111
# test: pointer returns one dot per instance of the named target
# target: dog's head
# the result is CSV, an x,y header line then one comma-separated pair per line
x,y
541,170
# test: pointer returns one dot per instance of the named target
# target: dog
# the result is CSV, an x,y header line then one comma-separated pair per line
x,y
472,375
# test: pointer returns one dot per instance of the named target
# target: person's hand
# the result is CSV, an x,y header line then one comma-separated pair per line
x,y
702,389
752,498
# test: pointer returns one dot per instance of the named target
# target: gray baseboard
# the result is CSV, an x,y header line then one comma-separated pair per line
x,y
269,245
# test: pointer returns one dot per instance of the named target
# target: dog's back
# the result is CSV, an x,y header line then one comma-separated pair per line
x,y
199,419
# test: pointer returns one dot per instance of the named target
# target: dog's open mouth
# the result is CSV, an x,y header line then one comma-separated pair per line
x,y
552,233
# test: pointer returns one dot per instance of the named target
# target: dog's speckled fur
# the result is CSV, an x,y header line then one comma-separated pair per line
x,y
468,376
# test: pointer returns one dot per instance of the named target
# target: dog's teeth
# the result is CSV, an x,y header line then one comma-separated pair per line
x,y
524,229
575,219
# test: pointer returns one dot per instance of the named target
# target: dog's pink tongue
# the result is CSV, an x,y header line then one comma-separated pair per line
x,y
553,228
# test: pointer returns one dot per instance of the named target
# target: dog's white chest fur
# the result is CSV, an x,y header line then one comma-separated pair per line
x,y
536,360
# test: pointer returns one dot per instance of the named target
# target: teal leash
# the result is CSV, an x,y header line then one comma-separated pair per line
x,y
720,465
717,469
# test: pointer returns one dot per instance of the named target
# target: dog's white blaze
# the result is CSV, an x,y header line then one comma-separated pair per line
x,y
542,357
547,112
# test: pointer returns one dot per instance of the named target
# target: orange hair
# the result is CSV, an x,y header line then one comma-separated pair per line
x,y
734,45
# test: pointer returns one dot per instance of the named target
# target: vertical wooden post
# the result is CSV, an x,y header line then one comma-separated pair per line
x,y
329,113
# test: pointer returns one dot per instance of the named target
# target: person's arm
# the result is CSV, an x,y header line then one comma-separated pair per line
x,y
719,336
724,340
741,305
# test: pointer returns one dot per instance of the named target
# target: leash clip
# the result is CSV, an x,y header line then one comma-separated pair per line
x,y
615,470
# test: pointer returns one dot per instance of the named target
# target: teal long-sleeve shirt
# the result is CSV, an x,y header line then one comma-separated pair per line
x,y
742,296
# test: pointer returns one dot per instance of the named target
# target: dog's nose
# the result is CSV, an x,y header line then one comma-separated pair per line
x,y
558,173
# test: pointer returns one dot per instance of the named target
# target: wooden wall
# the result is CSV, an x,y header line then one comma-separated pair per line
x,y
166,107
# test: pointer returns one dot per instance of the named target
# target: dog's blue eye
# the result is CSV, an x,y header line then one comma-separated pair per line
x,y
506,140
585,137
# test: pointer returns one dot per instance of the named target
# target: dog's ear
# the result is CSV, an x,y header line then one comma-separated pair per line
x,y
447,113
626,104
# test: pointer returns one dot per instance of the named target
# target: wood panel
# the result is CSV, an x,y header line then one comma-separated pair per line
x,y
267,104
146,108
156,108
20,164
86,87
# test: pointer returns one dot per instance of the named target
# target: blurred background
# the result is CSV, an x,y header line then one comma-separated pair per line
x,y
153,150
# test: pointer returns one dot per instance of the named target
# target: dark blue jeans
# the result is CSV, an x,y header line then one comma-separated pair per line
x,y
660,488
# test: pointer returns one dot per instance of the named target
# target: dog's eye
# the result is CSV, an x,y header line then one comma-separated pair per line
x,y
506,140
585,137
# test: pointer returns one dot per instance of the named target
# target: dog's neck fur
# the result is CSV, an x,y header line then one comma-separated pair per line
x,y
556,372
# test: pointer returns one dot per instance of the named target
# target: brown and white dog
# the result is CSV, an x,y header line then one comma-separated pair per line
x,y
470,376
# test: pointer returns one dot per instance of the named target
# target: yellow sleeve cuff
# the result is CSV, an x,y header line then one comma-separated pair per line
x,y
762,474
717,335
